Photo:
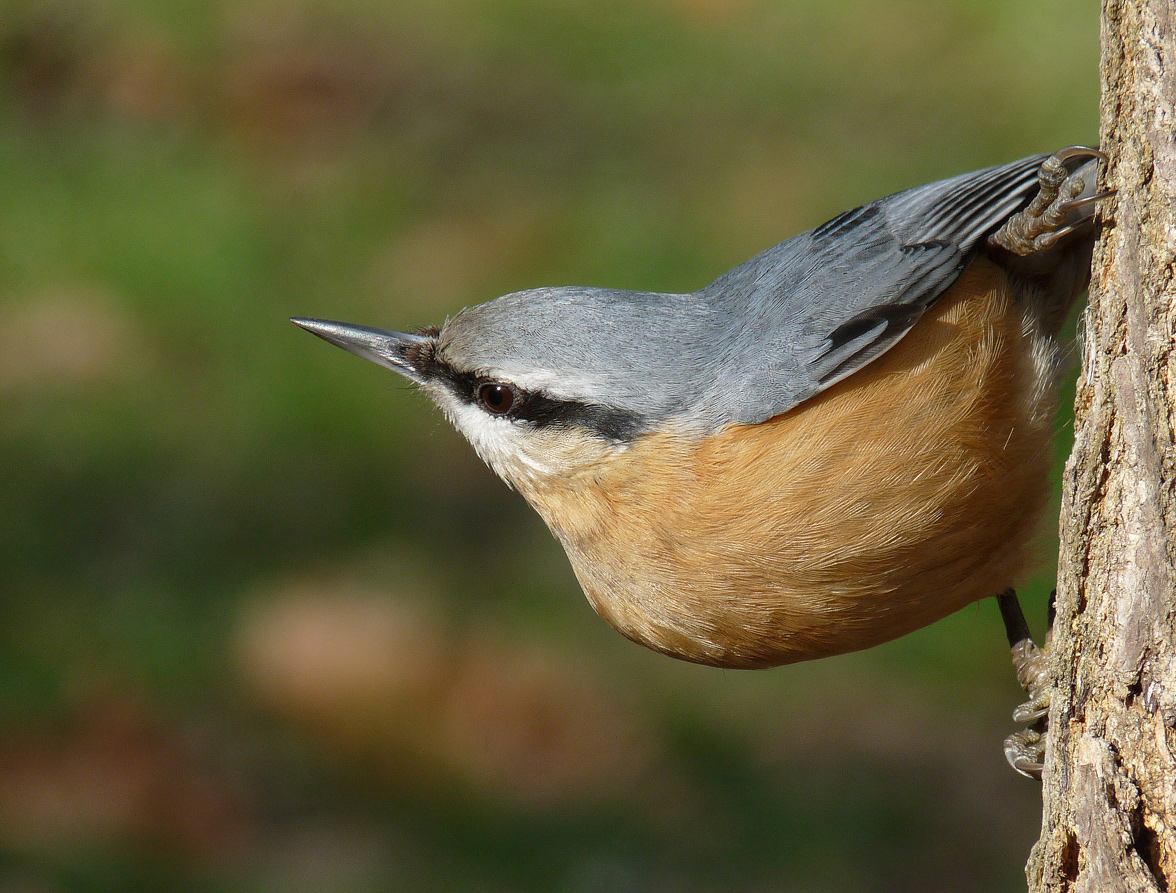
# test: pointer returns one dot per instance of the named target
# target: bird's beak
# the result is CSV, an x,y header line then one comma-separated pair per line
x,y
398,351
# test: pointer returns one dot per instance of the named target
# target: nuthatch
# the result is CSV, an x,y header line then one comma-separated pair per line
x,y
837,442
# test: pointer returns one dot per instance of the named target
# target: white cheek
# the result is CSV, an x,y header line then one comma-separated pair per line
x,y
499,443
522,455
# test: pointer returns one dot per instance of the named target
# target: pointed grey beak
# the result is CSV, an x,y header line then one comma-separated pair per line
x,y
397,351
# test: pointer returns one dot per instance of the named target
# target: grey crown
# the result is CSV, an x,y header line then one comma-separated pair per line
x,y
764,336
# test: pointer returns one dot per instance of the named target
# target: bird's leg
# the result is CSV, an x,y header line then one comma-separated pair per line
x,y
1064,204
1025,749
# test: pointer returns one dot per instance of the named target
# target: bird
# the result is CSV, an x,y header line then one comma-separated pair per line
x,y
837,442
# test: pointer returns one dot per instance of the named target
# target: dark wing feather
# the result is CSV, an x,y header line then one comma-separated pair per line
x,y
937,228
804,315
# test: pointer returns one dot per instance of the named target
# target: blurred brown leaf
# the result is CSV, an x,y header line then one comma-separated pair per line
x,y
66,335
115,773
45,54
370,678
144,76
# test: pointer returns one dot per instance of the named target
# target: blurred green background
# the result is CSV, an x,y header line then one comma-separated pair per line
x,y
266,623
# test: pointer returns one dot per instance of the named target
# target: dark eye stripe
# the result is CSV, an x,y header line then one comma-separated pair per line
x,y
605,421
539,409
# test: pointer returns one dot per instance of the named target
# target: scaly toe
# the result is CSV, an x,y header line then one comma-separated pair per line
x,y
1047,240
1031,711
1025,751
1061,206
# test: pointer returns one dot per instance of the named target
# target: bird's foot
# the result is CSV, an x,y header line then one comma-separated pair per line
x,y
1065,203
1025,749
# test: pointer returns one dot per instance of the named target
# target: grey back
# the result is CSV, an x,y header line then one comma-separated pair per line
x,y
761,338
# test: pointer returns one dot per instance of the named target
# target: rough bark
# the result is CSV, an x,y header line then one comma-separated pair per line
x,y
1109,820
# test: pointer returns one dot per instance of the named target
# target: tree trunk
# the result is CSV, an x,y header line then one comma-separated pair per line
x,y
1109,819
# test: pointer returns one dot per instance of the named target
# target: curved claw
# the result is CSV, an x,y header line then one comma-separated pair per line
x,y
1030,711
1061,207
1024,751
1078,204
1071,152
1047,240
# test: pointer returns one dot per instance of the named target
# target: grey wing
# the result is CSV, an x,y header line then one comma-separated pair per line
x,y
936,227
828,302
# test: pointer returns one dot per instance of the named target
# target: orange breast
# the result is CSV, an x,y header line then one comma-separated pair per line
x,y
901,494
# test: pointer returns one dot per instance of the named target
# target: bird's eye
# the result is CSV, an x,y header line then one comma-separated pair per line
x,y
496,398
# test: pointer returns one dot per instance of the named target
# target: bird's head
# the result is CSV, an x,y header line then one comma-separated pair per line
x,y
541,383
